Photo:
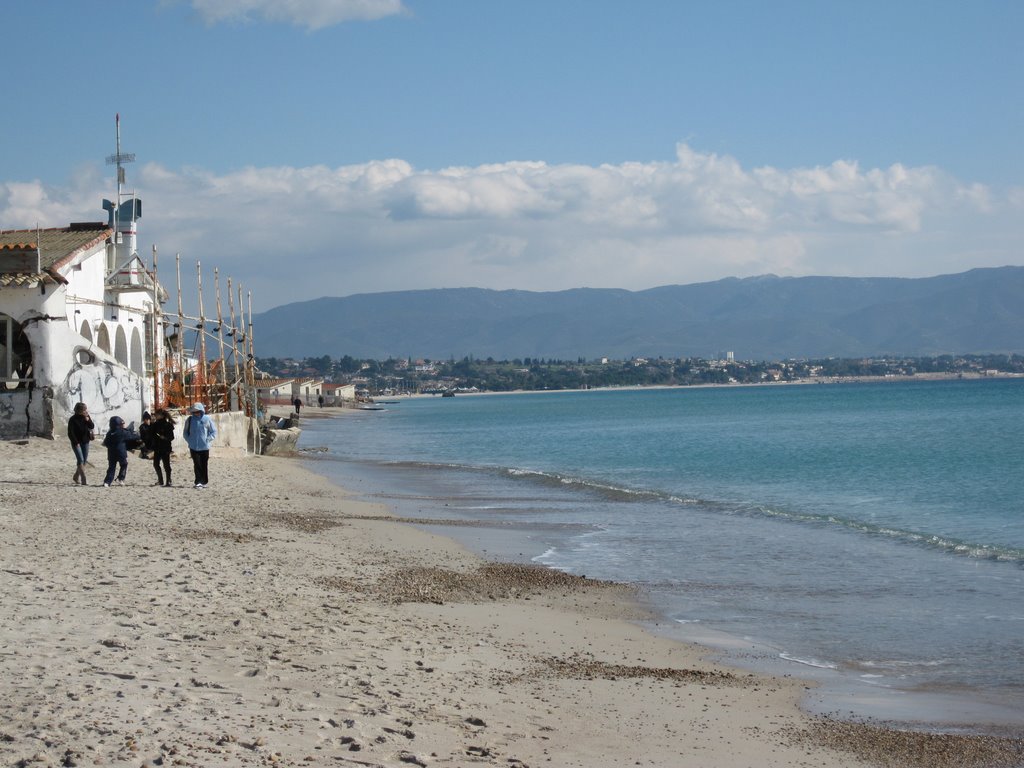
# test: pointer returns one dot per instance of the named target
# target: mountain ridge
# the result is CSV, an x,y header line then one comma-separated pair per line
x,y
765,317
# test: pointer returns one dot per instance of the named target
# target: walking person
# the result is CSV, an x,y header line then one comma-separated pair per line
x,y
80,433
199,432
297,402
116,442
162,438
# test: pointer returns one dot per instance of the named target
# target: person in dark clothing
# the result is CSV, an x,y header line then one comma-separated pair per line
x,y
116,442
297,402
145,433
162,437
80,432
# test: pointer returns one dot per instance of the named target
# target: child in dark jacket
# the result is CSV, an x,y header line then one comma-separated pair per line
x,y
162,437
146,435
117,451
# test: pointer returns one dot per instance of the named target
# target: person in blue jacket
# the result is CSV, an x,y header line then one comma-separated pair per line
x,y
116,443
199,432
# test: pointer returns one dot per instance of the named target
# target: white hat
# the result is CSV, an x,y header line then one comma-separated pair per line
x,y
198,407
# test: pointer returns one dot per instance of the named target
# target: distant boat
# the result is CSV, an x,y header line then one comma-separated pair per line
x,y
448,393
371,407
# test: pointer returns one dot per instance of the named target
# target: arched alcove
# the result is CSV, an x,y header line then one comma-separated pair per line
x,y
86,330
103,337
121,346
138,363
15,354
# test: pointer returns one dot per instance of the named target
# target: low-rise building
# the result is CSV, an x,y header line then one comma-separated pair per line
x,y
339,394
272,391
79,322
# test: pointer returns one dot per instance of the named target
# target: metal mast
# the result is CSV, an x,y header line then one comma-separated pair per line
x,y
123,247
119,158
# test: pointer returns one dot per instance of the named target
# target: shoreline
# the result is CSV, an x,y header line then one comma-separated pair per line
x,y
832,690
274,619
830,380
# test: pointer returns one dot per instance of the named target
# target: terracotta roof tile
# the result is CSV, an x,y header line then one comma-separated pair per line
x,y
57,248
271,383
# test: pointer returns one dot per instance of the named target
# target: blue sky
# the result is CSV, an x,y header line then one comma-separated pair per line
x,y
331,147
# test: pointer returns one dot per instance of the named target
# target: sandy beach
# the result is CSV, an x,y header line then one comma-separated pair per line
x,y
273,620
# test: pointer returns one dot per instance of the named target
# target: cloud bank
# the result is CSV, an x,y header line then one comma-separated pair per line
x,y
291,234
312,14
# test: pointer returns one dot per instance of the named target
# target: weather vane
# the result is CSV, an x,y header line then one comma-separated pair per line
x,y
120,157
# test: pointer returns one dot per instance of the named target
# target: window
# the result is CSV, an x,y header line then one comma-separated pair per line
x,y
15,354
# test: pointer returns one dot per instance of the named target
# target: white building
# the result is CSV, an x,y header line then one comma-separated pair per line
x,y
78,322
271,391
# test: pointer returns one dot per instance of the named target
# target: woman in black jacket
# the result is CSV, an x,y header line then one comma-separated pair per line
x,y
80,431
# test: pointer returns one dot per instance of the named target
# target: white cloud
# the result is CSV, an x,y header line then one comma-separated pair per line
x,y
298,233
312,14
491,191
24,205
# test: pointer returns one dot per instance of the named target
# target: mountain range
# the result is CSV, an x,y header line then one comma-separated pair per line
x,y
755,318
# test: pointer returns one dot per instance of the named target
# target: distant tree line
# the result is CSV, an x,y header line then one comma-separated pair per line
x,y
406,375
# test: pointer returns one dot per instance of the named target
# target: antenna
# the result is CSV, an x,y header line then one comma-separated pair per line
x,y
120,157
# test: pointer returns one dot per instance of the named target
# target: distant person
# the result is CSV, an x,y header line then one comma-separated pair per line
x,y
199,432
297,402
320,400
116,443
80,433
163,440
145,434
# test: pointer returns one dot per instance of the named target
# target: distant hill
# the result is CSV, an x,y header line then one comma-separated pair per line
x,y
757,318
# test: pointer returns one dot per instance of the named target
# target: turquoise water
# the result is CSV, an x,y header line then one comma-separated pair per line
x,y
870,533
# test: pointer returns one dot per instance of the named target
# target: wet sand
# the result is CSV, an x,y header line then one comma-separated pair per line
x,y
273,620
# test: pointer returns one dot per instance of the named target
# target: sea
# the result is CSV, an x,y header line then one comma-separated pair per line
x,y
866,536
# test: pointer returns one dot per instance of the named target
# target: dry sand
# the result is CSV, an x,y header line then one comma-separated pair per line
x,y
271,620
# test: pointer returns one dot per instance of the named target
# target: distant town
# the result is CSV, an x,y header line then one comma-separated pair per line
x,y
377,378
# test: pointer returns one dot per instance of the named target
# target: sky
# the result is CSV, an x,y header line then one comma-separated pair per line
x,y
311,148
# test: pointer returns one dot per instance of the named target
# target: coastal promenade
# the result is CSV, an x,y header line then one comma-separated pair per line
x,y
274,620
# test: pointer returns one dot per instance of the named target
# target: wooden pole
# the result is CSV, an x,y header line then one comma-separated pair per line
x,y
239,389
249,373
220,337
202,330
181,333
244,341
251,358
155,335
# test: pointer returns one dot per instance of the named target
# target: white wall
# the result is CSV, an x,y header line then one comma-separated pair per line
x,y
234,430
67,367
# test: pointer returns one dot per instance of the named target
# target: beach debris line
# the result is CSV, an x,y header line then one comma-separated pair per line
x,y
582,667
886,746
303,522
208,534
491,581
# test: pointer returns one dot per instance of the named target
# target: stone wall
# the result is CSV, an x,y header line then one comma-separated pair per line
x,y
25,412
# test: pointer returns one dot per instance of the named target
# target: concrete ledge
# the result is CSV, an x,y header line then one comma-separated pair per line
x,y
280,442
234,430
